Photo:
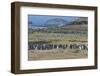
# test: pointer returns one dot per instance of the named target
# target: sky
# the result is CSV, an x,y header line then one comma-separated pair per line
x,y
41,19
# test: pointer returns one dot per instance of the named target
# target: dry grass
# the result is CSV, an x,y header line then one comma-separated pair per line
x,y
57,54
57,38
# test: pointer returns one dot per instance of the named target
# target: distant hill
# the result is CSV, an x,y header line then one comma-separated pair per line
x,y
77,27
80,23
56,22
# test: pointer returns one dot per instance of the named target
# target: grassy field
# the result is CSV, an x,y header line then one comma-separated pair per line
x,y
57,36
65,54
